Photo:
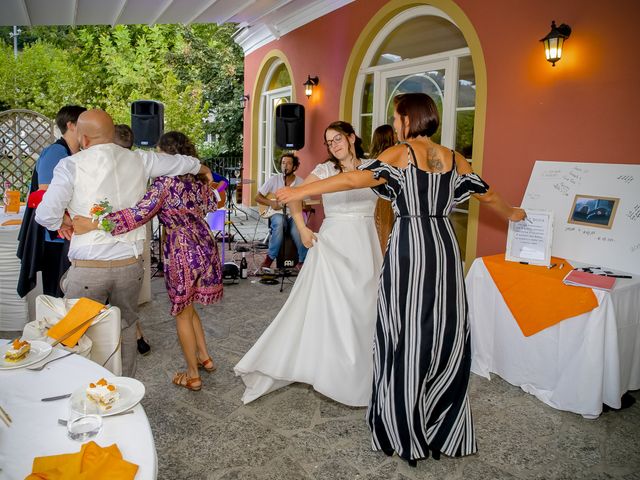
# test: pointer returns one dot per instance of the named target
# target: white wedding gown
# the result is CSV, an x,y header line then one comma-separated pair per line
x,y
324,333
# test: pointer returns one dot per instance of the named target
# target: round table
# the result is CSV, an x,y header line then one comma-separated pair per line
x,y
35,432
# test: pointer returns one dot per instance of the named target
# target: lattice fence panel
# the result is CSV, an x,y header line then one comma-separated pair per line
x,y
23,135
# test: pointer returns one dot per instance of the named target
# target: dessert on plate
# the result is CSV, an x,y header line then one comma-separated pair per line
x,y
103,393
18,350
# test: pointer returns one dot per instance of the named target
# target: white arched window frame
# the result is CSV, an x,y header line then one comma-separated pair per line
x,y
266,135
447,61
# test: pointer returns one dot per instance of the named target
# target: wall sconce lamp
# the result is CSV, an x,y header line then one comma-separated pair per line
x,y
554,41
309,84
244,100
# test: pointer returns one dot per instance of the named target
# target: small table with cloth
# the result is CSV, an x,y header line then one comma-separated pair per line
x,y
35,432
576,364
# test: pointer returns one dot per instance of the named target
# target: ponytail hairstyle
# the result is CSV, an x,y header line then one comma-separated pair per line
x,y
346,130
383,138
177,143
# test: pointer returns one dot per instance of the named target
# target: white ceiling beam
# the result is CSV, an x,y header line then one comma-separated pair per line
x,y
26,12
278,6
74,7
236,11
163,8
116,19
201,11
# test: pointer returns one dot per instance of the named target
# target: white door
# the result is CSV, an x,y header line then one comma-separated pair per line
x,y
269,151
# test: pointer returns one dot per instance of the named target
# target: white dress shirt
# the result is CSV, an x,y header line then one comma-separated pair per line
x,y
51,210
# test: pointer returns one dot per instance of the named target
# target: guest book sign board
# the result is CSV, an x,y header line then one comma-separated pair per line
x,y
596,210
529,241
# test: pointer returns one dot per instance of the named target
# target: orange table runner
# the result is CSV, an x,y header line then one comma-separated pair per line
x,y
535,295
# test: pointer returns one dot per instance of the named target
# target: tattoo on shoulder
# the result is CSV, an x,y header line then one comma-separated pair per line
x,y
433,161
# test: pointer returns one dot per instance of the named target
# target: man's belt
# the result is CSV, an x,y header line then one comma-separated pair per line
x,y
104,263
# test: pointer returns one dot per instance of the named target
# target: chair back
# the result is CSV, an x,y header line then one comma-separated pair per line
x,y
102,338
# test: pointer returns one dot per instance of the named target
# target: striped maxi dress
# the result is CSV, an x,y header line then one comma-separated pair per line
x,y
422,353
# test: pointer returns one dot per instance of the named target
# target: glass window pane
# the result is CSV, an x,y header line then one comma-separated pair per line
x,y
466,83
277,151
280,78
420,36
366,130
464,132
431,83
367,95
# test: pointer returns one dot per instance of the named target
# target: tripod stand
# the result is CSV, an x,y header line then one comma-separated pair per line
x,y
233,184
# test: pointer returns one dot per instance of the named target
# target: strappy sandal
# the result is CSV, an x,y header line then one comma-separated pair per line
x,y
182,380
208,365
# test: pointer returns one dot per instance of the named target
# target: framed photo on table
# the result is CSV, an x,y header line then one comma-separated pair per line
x,y
529,241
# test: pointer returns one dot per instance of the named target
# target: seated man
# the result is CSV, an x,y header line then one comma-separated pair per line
x,y
289,163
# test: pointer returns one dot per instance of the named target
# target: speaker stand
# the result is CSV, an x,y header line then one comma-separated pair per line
x,y
229,222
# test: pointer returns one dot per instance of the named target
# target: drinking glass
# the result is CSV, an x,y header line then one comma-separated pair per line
x,y
85,419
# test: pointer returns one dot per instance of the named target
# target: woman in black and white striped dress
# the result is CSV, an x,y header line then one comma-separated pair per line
x,y
421,350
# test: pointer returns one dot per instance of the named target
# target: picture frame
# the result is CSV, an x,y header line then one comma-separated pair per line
x,y
593,211
529,241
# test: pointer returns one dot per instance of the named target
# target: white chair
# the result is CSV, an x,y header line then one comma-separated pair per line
x,y
102,337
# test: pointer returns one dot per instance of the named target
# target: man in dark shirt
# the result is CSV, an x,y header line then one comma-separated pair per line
x,y
40,249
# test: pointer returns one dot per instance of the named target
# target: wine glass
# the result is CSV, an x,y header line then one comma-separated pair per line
x,y
85,419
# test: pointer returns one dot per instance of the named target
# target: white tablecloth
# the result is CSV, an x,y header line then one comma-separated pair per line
x,y
575,365
15,312
35,431
13,309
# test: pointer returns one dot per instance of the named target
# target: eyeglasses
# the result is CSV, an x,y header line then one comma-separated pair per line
x,y
336,139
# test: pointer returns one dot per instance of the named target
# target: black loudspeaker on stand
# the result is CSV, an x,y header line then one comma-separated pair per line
x,y
290,126
147,122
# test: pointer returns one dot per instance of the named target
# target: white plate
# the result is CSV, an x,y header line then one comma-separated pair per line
x,y
131,392
39,351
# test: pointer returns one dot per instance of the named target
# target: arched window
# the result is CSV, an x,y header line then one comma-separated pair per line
x,y
420,50
277,90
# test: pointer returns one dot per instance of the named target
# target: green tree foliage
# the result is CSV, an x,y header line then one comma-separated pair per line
x,y
195,71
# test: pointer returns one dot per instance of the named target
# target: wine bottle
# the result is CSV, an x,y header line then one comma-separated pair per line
x,y
244,268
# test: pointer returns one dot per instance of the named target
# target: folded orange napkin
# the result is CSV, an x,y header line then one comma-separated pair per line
x,y
83,310
13,221
535,295
92,462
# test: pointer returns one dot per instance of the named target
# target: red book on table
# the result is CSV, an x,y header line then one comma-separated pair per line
x,y
578,278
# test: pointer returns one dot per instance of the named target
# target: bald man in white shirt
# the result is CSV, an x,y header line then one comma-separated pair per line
x,y
106,268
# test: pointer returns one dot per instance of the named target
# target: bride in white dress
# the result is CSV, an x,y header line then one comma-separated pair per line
x,y
324,333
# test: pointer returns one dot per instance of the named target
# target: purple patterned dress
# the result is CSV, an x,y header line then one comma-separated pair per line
x,y
192,269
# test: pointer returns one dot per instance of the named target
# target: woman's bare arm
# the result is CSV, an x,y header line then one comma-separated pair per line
x,y
337,183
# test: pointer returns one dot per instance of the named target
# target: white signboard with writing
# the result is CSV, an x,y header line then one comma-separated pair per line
x,y
596,210
529,241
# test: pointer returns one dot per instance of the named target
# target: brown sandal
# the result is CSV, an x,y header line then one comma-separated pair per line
x,y
208,365
182,380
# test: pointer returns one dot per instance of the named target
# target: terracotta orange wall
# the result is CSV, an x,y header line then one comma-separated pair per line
x,y
584,109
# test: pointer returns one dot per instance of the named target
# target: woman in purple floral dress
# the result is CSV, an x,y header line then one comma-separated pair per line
x,y
192,268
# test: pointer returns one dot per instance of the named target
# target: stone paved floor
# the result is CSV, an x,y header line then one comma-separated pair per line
x,y
296,433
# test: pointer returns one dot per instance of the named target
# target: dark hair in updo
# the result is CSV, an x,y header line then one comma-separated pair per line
x,y
345,129
177,143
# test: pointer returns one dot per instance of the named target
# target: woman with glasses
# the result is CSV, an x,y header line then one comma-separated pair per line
x,y
419,404
323,335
